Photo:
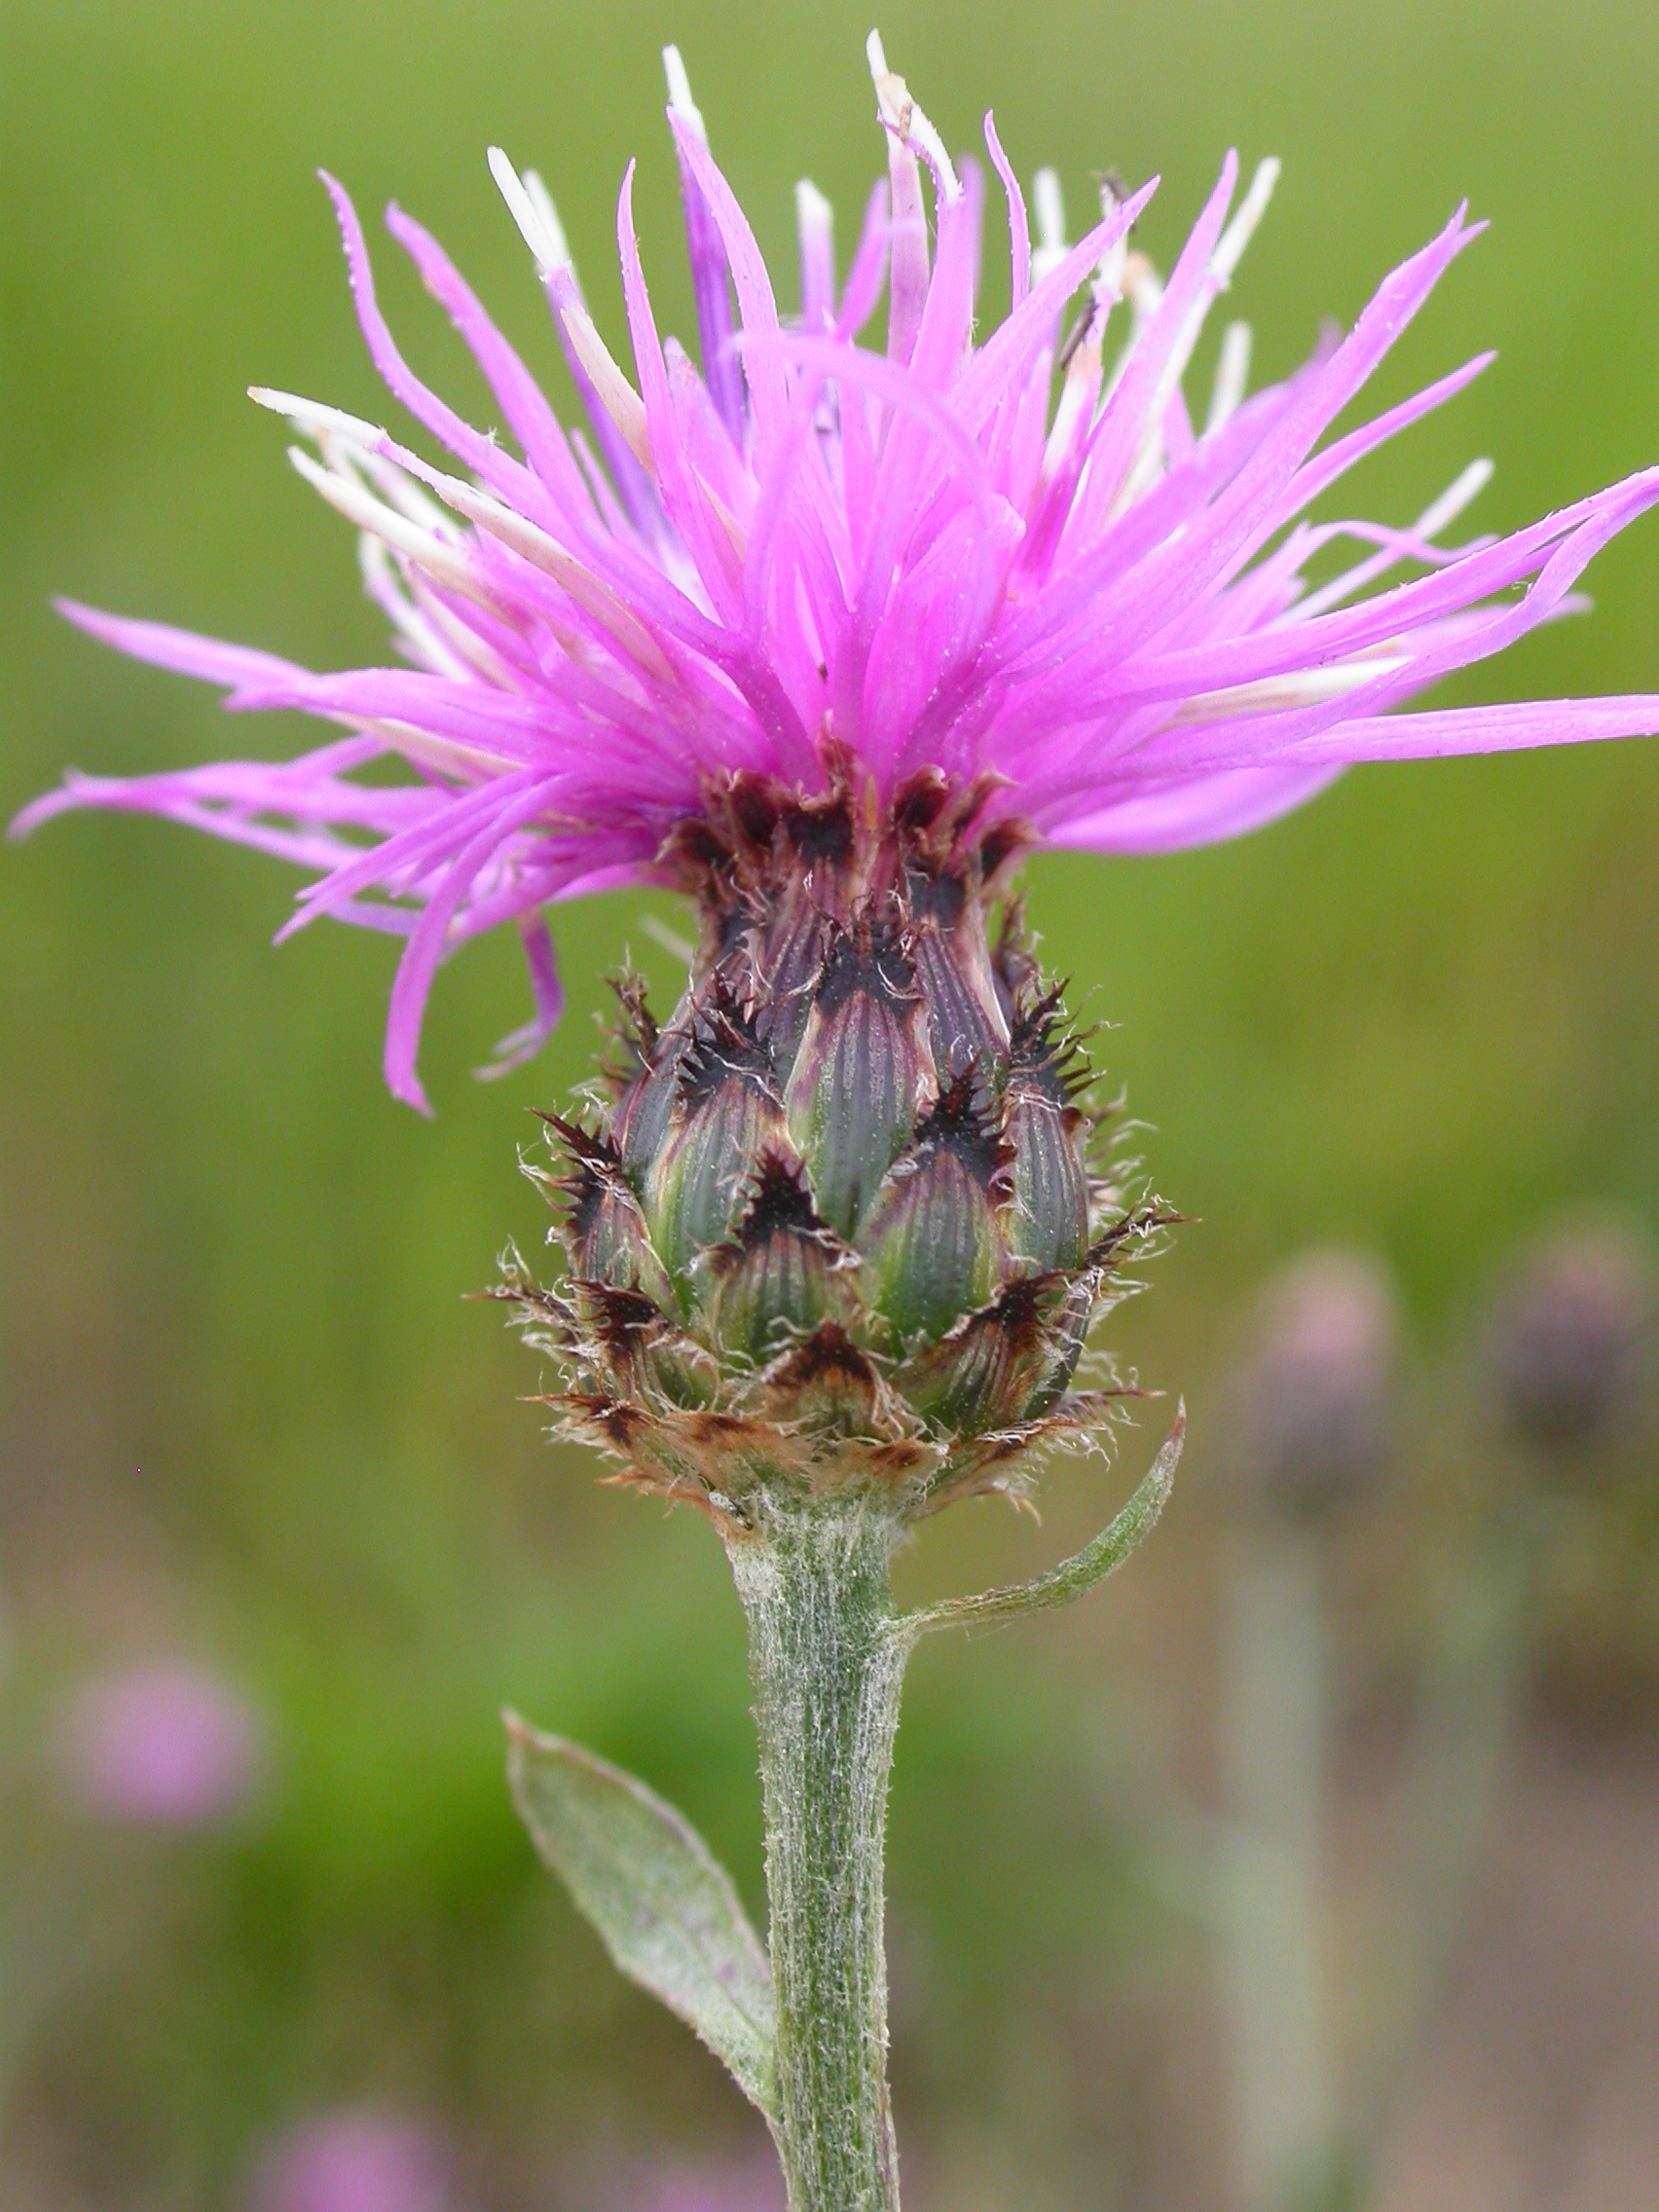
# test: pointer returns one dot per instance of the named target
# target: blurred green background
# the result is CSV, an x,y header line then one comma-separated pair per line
x,y
247,1418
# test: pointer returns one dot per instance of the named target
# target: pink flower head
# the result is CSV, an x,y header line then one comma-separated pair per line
x,y
162,1747
906,553
354,2161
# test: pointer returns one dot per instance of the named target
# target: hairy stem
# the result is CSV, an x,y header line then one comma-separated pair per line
x,y
827,1674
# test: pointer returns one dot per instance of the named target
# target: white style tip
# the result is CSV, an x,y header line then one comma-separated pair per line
x,y
547,245
315,419
813,213
1230,249
679,91
542,199
1454,500
899,114
1049,208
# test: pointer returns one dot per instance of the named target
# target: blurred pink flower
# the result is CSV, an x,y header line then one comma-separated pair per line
x,y
753,2185
1008,553
163,1747
354,2161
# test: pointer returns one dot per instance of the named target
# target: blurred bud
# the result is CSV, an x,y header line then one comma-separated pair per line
x,y
1567,1341
1312,1397
354,2161
162,1747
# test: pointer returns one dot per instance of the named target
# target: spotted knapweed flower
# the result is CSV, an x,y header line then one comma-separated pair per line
x,y
908,559
827,635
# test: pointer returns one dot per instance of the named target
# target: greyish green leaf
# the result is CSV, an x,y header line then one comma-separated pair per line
x,y
664,1906
1073,1577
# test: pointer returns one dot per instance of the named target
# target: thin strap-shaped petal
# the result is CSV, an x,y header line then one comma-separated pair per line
x,y
181,651
481,454
1204,812
1019,226
869,270
750,279
547,995
723,372
521,398
1440,733
1014,343
413,982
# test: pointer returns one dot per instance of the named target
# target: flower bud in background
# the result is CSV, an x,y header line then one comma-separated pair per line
x,y
1567,1340
1311,1399
355,2161
162,1747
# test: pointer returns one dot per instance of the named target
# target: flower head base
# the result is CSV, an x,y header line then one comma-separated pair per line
x,y
909,553
845,1226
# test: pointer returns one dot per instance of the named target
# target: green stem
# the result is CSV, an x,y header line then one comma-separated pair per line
x,y
827,1671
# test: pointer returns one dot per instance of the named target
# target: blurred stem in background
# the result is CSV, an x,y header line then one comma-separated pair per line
x,y
1565,1353
1310,1430
1274,1735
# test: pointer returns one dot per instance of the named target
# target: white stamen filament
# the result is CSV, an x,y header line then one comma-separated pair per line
x,y
1435,518
428,623
315,419
466,764
1114,260
542,199
1232,375
1229,250
1454,500
385,582
532,544
1273,694
444,563
671,941
616,395
471,646
1077,394
347,443
680,92
546,246
392,484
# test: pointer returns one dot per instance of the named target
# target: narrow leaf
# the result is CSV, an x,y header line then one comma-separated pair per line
x,y
663,1904
1074,1575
